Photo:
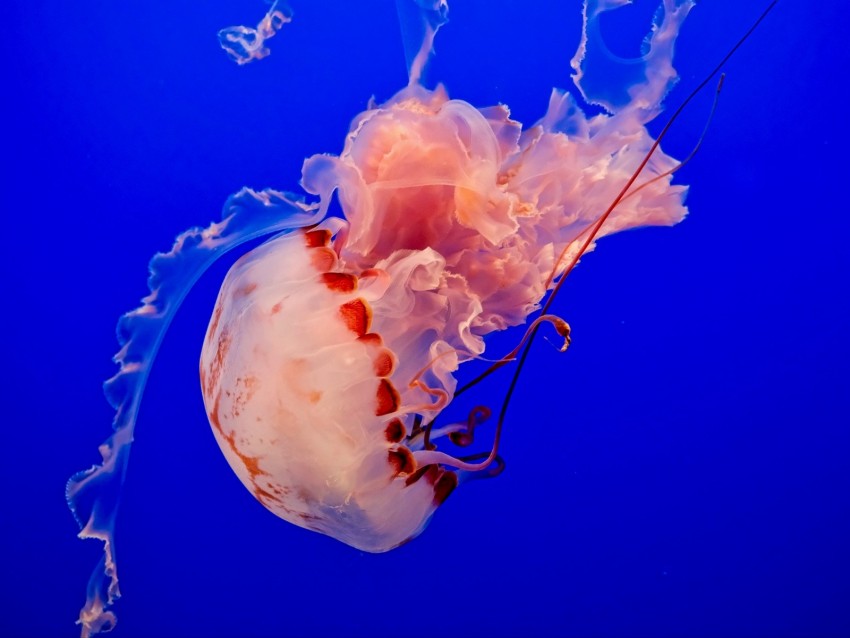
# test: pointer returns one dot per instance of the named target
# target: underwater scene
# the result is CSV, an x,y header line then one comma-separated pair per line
x,y
434,318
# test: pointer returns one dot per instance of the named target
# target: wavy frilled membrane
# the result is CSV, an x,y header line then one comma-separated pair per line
x,y
246,44
94,494
635,86
333,342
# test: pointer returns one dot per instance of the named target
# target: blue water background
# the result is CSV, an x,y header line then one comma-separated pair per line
x,y
682,471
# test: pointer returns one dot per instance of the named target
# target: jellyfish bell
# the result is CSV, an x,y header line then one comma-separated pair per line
x,y
297,389
332,343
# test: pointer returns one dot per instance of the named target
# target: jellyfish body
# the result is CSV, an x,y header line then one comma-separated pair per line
x,y
318,354
297,390
332,341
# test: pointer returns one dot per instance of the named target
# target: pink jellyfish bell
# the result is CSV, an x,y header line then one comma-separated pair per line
x,y
298,390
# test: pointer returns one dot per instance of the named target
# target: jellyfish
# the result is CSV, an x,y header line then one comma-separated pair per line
x,y
334,347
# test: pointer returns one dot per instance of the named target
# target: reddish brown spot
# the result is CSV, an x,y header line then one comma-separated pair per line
x,y
264,496
252,464
217,363
215,319
444,481
371,338
402,461
383,363
357,316
244,291
314,396
317,238
276,308
271,493
246,388
323,259
214,420
430,472
280,491
395,431
371,272
445,485
388,398
340,281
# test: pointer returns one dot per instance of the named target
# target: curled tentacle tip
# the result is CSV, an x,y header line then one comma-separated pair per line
x,y
461,439
563,329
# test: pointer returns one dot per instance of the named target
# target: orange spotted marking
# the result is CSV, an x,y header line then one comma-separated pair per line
x,y
317,238
224,341
251,462
383,363
357,315
444,481
340,281
445,485
216,318
402,461
430,472
395,431
264,496
388,398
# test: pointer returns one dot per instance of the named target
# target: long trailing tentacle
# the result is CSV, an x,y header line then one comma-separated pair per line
x,y
93,494
420,20
595,228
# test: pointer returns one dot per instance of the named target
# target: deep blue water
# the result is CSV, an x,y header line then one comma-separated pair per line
x,y
681,471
